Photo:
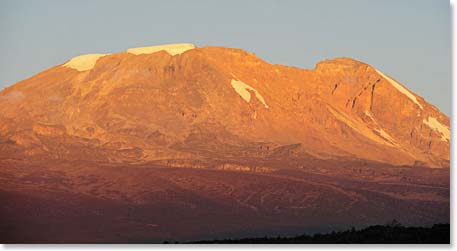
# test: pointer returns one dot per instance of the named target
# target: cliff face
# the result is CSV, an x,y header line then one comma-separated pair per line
x,y
183,102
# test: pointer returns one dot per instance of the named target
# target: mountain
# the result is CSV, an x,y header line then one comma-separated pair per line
x,y
179,101
73,127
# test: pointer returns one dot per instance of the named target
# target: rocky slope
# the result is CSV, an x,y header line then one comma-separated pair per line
x,y
180,102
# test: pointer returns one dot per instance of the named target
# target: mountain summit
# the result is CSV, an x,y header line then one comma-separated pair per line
x,y
200,106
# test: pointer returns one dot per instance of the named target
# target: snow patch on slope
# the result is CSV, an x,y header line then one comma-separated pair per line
x,y
243,90
437,126
379,130
375,134
83,62
172,49
400,88
386,136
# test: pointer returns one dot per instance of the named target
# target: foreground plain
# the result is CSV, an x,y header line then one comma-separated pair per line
x,y
90,202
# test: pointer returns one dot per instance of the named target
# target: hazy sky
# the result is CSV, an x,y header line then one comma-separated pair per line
x,y
408,40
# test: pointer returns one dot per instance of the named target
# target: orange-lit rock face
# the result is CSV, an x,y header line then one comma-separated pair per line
x,y
191,104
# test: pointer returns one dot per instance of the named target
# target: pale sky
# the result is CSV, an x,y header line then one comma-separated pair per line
x,y
408,40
